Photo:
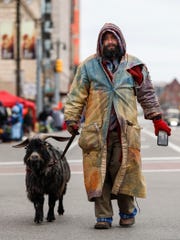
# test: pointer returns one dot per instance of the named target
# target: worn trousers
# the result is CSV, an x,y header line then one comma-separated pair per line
x,y
103,204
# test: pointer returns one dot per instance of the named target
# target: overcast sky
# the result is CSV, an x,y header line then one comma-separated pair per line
x,y
151,29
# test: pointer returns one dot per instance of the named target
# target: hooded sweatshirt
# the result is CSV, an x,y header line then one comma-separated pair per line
x,y
109,27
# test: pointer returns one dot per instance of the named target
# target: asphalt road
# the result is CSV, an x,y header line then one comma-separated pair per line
x,y
159,215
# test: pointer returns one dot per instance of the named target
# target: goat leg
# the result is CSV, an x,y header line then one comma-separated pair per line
x,y
60,206
51,202
38,205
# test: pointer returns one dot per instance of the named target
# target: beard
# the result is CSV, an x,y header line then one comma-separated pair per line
x,y
111,51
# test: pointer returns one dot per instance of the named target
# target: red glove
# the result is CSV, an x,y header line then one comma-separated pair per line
x,y
160,124
72,127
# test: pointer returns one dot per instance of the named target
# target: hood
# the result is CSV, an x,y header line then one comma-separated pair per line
x,y
110,27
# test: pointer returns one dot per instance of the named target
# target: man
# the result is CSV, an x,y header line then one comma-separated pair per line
x,y
107,85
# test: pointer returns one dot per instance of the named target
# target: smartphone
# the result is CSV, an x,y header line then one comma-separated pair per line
x,y
162,139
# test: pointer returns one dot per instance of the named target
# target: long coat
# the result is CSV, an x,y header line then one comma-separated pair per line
x,y
93,90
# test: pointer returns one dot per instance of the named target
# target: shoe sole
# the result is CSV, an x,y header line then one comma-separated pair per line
x,y
127,225
102,226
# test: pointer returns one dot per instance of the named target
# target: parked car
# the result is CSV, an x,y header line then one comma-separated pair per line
x,y
172,116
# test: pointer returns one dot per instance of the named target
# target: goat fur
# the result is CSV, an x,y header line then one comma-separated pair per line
x,y
46,174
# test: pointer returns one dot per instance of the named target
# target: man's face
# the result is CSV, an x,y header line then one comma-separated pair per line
x,y
110,45
109,41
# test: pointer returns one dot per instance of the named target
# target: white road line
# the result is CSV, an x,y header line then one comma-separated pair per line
x,y
23,174
21,163
74,144
81,172
72,161
161,170
171,145
145,146
10,163
160,158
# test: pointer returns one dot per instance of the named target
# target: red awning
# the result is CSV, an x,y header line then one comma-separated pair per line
x,y
9,100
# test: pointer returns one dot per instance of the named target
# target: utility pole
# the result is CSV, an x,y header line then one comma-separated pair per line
x,y
57,77
39,94
58,70
18,59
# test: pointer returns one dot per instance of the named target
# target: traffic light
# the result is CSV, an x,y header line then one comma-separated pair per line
x,y
58,65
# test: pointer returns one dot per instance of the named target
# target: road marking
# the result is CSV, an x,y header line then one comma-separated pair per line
x,y
12,174
171,145
81,172
160,158
10,163
145,146
23,174
74,144
76,162
161,170
21,163
72,161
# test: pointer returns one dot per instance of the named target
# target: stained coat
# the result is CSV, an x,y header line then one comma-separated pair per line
x,y
93,90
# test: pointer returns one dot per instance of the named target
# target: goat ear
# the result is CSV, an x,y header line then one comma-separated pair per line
x,y
22,144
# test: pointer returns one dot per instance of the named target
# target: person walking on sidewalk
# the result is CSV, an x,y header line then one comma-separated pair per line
x,y
108,85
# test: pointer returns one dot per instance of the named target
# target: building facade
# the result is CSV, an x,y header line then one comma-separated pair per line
x,y
64,45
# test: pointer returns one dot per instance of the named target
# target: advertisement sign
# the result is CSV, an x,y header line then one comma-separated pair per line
x,y
28,40
7,40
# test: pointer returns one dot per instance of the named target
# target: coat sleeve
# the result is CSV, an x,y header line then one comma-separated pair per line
x,y
78,95
146,96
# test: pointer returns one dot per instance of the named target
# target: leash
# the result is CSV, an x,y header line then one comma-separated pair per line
x,y
68,144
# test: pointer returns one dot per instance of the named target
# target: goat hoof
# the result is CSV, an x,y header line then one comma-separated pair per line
x,y
60,211
38,220
51,219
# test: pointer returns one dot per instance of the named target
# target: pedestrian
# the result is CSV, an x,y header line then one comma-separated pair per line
x,y
3,115
109,83
17,122
58,120
3,122
27,121
45,119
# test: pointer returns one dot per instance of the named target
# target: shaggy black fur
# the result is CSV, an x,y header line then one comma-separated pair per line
x,y
47,174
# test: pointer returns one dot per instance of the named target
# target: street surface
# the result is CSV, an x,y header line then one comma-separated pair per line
x,y
159,215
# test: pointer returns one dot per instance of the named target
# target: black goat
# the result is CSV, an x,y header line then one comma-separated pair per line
x,y
46,173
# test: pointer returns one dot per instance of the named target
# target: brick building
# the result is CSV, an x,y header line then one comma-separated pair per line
x,y
170,96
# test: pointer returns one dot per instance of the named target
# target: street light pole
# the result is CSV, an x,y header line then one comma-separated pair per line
x,y
57,73
57,77
57,48
18,74
39,93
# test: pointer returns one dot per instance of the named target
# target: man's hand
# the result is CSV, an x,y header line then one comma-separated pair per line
x,y
72,127
161,125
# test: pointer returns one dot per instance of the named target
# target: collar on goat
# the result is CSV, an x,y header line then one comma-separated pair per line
x,y
52,162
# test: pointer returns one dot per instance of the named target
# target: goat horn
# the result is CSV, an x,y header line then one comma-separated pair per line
x,y
44,136
22,144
